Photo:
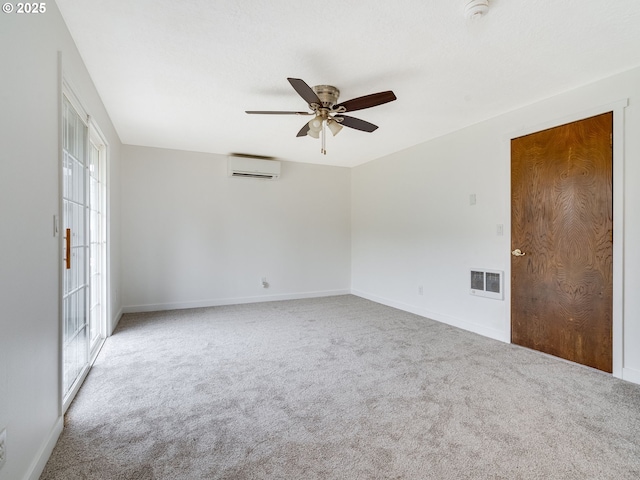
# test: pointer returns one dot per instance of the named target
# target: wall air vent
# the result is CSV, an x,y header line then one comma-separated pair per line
x,y
253,167
487,283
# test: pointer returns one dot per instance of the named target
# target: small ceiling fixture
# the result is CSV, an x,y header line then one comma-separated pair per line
x,y
327,113
475,9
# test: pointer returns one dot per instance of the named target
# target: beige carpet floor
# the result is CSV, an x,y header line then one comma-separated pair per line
x,y
338,388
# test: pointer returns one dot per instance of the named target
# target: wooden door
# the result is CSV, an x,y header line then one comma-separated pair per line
x,y
562,223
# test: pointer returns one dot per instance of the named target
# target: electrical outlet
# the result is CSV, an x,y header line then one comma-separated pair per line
x,y
3,447
420,290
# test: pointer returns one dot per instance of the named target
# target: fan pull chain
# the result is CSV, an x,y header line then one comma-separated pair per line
x,y
323,150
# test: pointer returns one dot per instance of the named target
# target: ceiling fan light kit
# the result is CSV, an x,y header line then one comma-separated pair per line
x,y
322,101
315,124
334,126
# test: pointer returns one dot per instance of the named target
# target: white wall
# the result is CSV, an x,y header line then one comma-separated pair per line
x,y
29,198
192,236
413,223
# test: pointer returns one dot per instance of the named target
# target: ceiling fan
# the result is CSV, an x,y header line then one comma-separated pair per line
x,y
322,101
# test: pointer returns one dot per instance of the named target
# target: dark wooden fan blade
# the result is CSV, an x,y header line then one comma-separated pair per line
x,y
367,101
356,123
276,112
303,131
304,90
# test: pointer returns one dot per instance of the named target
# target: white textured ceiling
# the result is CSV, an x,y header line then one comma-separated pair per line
x,y
180,73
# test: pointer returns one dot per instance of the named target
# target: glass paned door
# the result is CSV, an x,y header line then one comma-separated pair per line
x,y
75,279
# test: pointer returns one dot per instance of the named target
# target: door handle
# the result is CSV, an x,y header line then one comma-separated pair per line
x,y
518,253
67,260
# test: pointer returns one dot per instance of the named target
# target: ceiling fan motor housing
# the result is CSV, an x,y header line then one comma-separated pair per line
x,y
327,94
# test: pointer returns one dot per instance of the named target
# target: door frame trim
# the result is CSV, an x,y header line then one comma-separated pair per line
x,y
618,109
96,132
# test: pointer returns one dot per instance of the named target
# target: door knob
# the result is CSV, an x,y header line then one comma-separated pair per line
x,y
518,253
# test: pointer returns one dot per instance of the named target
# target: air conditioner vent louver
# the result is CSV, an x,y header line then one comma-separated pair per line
x,y
248,167
251,175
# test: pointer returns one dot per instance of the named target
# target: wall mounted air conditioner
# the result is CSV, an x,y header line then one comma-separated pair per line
x,y
249,167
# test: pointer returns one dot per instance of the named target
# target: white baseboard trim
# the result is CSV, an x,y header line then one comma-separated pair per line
x,y
231,301
114,322
631,375
423,312
42,457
